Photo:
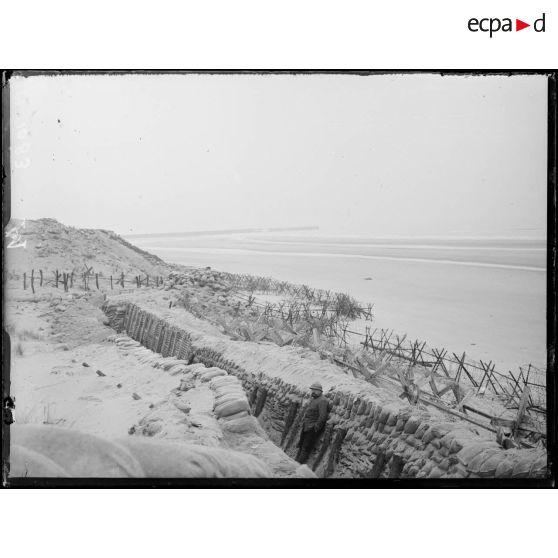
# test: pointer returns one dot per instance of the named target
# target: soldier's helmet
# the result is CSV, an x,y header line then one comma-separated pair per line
x,y
316,385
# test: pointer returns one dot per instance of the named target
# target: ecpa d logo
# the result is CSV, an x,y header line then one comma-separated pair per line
x,y
493,25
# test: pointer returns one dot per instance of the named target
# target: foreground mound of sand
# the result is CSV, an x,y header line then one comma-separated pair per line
x,y
46,451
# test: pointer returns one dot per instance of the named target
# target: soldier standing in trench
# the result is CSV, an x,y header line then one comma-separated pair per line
x,y
315,417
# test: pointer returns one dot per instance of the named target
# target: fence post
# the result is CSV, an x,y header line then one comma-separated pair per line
x,y
97,280
111,282
72,280
122,279
147,280
33,280
41,272
24,280
56,278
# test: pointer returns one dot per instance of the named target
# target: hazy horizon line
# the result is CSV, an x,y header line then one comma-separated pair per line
x,y
323,233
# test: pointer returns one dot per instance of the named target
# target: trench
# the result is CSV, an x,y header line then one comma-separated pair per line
x,y
364,437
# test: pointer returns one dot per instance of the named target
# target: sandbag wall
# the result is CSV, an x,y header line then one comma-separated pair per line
x,y
364,436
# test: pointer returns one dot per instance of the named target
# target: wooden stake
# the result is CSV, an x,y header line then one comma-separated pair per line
x,y
396,466
521,410
454,385
41,273
527,382
464,369
378,466
97,280
515,390
495,378
488,374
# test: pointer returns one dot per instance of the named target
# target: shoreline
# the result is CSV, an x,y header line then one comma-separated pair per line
x,y
240,251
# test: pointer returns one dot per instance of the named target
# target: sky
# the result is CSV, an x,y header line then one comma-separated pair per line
x,y
409,155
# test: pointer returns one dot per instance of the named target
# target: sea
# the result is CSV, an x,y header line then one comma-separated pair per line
x,y
482,296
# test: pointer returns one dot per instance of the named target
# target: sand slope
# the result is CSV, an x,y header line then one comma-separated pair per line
x,y
49,245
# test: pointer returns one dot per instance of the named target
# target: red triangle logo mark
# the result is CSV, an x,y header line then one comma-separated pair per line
x,y
519,25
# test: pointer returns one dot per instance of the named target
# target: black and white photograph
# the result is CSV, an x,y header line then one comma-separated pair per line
x,y
278,278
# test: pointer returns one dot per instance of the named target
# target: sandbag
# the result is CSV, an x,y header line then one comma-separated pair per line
x,y
123,339
237,391
169,460
161,361
171,363
231,388
228,389
196,367
182,405
238,394
232,407
179,368
235,416
224,380
40,450
209,375
228,399
243,425
218,408
224,385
